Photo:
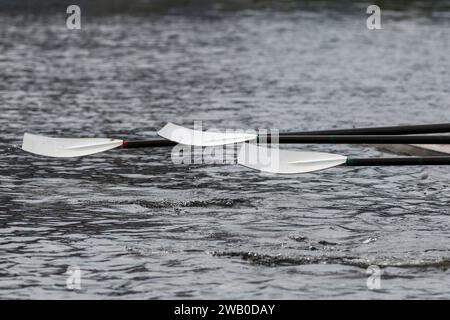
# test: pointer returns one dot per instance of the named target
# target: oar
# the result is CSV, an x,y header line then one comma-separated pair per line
x,y
392,130
188,136
359,139
76,147
281,161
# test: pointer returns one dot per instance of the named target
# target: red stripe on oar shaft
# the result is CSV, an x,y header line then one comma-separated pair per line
x,y
125,144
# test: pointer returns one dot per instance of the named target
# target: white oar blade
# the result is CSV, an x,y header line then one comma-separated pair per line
x,y
66,147
191,137
274,160
441,148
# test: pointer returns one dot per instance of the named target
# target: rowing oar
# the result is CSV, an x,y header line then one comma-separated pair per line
x,y
75,147
392,130
188,136
274,160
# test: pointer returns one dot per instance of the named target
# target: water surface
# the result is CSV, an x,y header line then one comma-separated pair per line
x,y
139,226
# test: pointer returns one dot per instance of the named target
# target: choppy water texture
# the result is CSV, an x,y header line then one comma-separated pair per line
x,y
139,226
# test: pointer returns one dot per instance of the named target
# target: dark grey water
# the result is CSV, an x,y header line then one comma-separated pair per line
x,y
139,226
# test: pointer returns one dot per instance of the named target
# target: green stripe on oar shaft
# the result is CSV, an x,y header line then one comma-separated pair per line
x,y
358,139
399,161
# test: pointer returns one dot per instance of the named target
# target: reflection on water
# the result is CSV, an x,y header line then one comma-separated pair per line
x,y
139,226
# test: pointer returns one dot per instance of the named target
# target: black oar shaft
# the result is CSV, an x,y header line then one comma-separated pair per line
x,y
409,161
148,143
320,139
318,136
393,130
359,139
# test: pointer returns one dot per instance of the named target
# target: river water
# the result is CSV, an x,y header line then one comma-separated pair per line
x,y
138,226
